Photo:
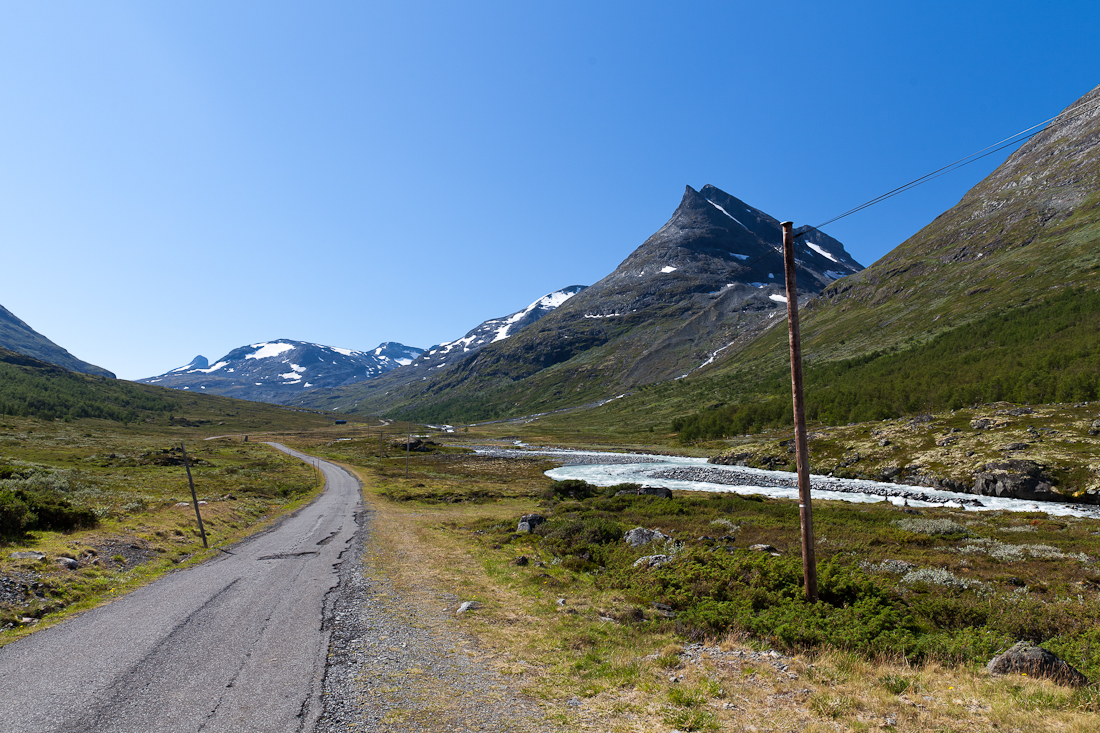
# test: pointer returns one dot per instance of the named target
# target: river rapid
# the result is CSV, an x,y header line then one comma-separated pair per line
x,y
695,474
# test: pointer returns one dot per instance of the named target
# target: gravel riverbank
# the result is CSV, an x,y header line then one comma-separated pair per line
x,y
570,458
733,477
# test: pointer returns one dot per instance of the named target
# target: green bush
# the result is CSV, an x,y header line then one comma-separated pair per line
x,y
22,511
16,516
584,537
571,489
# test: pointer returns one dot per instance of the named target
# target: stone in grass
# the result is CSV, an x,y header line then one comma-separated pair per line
x,y
652,561
27,555
641,536
658,491
765,548
467,606
529,521
521,561
1036,661
663,609
67,563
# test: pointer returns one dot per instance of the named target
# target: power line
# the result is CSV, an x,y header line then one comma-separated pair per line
x,y
966,160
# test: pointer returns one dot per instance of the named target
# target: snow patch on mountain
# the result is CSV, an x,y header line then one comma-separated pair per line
x,y
268,350
216,367
821,251
496,329
729,214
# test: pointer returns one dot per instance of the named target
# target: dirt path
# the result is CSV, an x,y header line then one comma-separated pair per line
x,y
398,659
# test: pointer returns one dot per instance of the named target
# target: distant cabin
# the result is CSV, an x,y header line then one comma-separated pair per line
x,y
341,422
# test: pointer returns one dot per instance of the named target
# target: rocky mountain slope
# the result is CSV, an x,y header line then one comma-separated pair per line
x,y
279,371
710,277
438,358
491,331
21,338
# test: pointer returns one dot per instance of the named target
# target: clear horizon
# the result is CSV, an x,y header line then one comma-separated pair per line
x,y
187,179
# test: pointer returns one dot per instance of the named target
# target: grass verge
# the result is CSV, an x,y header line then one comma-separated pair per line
x,y
608,646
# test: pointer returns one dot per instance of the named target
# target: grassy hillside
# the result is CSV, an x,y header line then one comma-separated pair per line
x,y
1045,352
33,388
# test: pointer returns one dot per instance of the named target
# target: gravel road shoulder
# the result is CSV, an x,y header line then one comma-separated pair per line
x,y
398,661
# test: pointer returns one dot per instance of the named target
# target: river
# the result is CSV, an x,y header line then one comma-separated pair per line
x,y
695,474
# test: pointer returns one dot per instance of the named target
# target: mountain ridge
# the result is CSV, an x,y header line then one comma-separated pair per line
x,y
17,336
279,371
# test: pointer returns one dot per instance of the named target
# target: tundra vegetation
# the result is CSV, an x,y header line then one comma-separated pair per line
x,y
716,635
90,508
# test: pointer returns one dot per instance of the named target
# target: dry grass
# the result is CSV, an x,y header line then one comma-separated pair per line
x,y
566,643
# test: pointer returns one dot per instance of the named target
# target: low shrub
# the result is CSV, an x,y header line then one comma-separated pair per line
x,y
572,489
22,511
583,537
16,515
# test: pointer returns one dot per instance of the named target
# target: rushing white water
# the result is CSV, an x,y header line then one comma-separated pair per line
x,y
621,468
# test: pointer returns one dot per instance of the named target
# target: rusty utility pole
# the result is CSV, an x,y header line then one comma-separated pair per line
x,y
194,498
802,453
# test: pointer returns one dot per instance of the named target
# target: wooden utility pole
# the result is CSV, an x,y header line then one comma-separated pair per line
x,y
802,453
408,446
194,498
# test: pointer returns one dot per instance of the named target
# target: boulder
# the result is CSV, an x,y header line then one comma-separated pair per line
x,y
27,555
413,444
765,548
652,561
1035,661
889,472
659,491
1015,479
987,423
640,536
1094,428
529,521
67,563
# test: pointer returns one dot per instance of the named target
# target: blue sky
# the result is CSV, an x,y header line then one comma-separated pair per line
x,y
185,178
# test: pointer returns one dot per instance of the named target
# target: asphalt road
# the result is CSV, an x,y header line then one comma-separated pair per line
x,y
234,644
